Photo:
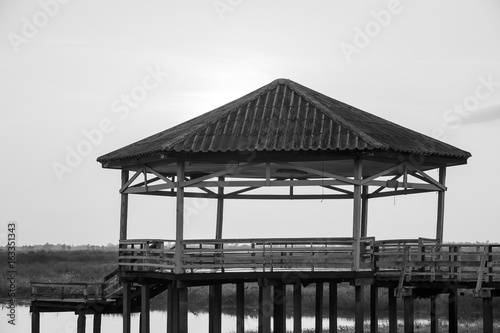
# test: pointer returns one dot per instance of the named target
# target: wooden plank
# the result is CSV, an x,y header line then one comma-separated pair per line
x,y
440,208
126,181
429,179
297,308
179,225
333,307
240,308
319,308
159,175
124,204
321,173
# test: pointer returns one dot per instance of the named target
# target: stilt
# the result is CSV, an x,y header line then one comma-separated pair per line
x,y
279,308
332,307
487,315
409,314
126,307
453,312
359,311
183,310
373,309
80,327
97,322
265,309
35,322
173,303
145,296
393,311
215,309
319,307
240,308
297,308
434,318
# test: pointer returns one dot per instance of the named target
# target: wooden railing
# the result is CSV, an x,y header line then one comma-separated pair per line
x,y
67,291
265,255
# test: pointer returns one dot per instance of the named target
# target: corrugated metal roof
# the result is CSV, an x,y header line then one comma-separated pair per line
x,y
286,116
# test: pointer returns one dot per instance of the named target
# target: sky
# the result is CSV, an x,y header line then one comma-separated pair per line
x,y
79,79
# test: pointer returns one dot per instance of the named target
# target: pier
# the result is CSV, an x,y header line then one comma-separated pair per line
x,y
282,136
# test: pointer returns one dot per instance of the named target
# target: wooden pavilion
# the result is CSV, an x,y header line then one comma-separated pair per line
x,y
285,135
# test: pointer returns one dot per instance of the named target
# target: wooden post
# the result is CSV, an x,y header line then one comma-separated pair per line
x,y
265,308
409,314
279,308
434,318
319,308
373,309
80,327
127,307
453,311
220,211
145,296
364,211
332,307
240,307
359,316
183,310
215,308
124,208
487,315
393,311
171,308
179,226
97,322
297,308
440,209
35,321
356,222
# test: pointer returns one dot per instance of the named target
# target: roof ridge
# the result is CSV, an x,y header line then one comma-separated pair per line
x,y
319,105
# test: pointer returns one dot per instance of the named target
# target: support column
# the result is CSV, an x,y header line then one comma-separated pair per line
x,y
332,307
373,309
80,327
434,318
240,307
215,309
183,310
220,211
124,207
145,316
179,225
453,311
97,322
297,308
356,221
359,316
364,211
171,308
440,208
487,315
319,307
35,322
393,311
409,314
279,308
265,308
126,306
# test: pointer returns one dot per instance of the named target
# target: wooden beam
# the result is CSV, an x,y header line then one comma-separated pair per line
x,y
127,307
453,311
409,315
364,211
487,315
434,317
359,315
248,189
440,208
159,175
396,193
373,309
35,321
265,308
183,310
220,211
126,184
321,173
171,307
333,307
215,308
80,327
382,173
279,308
145,308
227,171
337,189
179,226
124,207
356,216
289,197
297,308
319,308
428,178
97,323
393,311
240,307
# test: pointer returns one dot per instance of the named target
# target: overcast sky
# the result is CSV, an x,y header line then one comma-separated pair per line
x,y
87,77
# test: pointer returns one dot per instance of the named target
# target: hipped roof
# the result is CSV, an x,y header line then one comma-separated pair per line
x,y
286,116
